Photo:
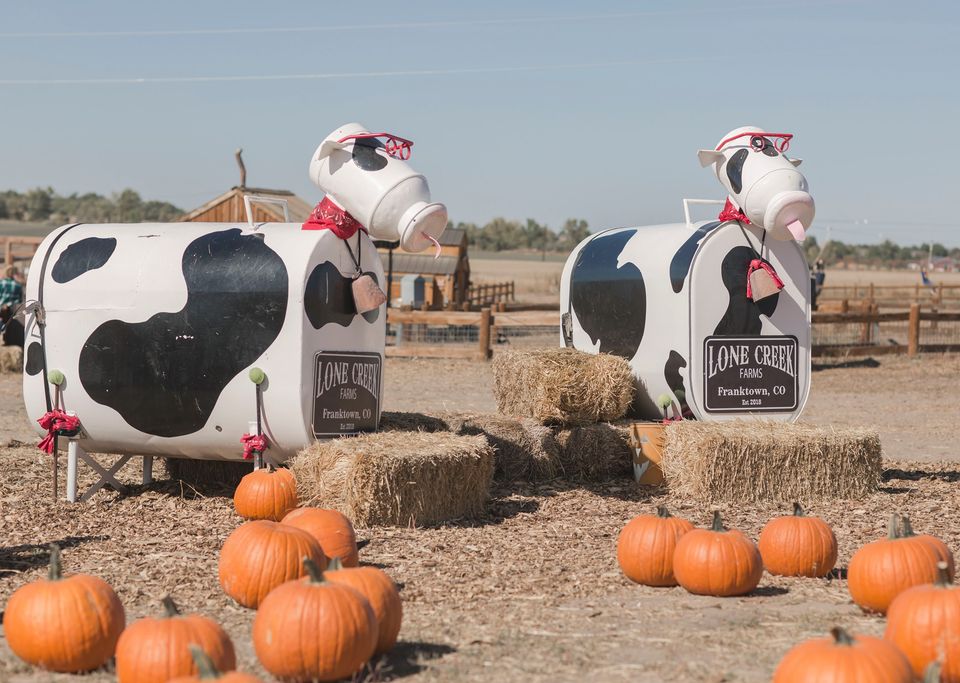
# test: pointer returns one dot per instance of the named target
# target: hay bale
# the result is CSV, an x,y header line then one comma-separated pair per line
x,y
11,359
523,450
562,386
762,460
397,478
207,475
595,452
412,422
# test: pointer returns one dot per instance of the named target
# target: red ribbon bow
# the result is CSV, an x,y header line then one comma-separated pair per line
x,y
253,444
328,216
57,423
732,213
760,264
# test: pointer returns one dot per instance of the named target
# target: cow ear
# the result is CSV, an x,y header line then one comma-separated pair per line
x,y
709,156
327,147
795,162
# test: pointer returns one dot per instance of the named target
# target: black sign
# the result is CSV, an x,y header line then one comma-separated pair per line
x,y
749,374
346,393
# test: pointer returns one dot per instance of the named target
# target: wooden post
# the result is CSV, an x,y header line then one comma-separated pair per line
x,y
940,294
916,292
913,343
8,252
484,335
845,306
933,320
871,292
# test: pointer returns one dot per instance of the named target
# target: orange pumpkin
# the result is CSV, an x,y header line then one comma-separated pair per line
x,y
881,570
646,546
67,624
924,622
154,650
717,561
333,532
798,545
380,591
258,556
844,659
207,671
313,629
939,547
266,494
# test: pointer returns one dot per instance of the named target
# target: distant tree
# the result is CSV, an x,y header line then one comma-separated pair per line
x,y
38,203
573,232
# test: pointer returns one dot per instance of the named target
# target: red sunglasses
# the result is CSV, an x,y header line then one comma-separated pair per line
x,y
759,140
395,146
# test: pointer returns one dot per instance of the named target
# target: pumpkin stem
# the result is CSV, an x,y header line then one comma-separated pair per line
x,y
840,636
206,669
797,510
717,522
313,571
907,527
170,607
932,673
662,511
56,564
943,576
335,564
893,527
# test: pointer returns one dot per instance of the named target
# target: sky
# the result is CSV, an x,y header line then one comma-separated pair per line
x,y
544,109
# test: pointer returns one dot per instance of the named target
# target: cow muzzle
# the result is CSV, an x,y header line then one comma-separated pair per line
x,y
780,203
406,213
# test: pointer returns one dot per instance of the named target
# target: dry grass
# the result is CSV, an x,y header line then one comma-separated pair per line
x,y
524,450
398,478
752,461
412,422
562,386
11,359
595,452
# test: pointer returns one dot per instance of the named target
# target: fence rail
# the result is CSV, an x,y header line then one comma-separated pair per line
x,y
19,247
894,295
489,293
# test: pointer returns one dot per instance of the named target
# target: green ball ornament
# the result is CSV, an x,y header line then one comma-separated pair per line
x,y
257,375
664,401
55,377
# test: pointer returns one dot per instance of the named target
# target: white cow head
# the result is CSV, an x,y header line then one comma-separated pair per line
x,y
366,174
762,182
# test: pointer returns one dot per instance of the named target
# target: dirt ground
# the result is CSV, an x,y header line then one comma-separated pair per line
x,y
532,591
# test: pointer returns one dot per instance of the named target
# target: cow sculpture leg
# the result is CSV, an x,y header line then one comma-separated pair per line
x,y
107,475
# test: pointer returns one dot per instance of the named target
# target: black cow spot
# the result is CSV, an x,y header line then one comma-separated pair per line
x,y
34,360
671,373
366,156
610,302
329,298
165,375
743,315
735,170
87,254
680,263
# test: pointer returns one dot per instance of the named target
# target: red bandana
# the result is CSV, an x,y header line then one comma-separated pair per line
x,y
328,216
732,213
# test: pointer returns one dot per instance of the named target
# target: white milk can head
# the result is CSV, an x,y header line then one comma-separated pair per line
x,y
367,175
762,181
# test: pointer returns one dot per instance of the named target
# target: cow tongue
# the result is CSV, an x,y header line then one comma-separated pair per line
x,y
797,230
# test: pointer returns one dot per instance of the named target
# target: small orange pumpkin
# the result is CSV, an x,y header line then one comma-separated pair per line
x,y
717,561
260,555
314,629
67,624
380,591
882,569
156,650
924,622
844,659
207,671
333,532
798,545
266,493
646,546
939,547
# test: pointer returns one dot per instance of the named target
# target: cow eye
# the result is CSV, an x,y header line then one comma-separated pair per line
x,y
758,143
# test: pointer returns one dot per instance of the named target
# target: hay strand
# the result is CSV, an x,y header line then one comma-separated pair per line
x,y
524,450
595,452
763,460
11,359
562,386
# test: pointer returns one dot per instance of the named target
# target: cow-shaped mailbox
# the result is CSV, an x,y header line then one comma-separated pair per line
x,y
155,328
675,300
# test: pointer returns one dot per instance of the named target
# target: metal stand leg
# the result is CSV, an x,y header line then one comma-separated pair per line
x,y
147,469
72,455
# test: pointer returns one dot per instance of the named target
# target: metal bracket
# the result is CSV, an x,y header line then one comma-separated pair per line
x,y
688,202
249,199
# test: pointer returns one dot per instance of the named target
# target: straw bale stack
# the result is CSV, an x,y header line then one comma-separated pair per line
x,y
524,450
11,359
595,452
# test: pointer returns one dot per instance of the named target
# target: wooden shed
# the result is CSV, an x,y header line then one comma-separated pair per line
x,y
446,279
229,208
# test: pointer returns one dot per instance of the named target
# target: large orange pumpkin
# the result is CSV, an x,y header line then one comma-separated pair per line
x,y
844,659
313,629
380,591
798,545
266,494
881,570
646,546
67,624
939,547
154,650
924,622
333,532
258,556
717,561
207,671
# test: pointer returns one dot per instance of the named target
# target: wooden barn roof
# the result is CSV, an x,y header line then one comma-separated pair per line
x,y
298,208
